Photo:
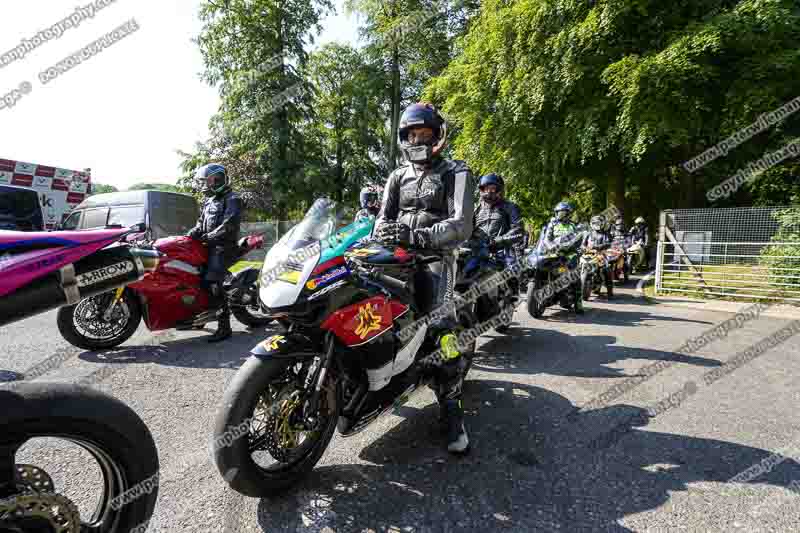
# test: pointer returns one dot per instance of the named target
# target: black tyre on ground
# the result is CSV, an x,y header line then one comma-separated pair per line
x,y
535,307
106,428
235,461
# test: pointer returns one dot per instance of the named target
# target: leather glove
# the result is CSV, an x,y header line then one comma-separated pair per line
x,y
196,234
394,233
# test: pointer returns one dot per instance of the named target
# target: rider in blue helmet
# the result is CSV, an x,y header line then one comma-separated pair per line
x,y
498,222
370,201
218,227
428,205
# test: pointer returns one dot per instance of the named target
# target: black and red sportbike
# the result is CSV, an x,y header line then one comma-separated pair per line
x,y
340,365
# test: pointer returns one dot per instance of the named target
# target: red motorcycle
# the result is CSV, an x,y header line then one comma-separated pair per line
x,y
174,296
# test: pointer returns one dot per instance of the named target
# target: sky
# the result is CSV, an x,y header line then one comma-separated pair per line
x,y
125,111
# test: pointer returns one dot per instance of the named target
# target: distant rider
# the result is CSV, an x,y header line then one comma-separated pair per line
x,y
560,225
600,240
370,201
498,223
218,227
640,234
427,204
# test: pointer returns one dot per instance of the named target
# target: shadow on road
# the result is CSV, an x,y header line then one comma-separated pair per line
x,y
189,352
536,351
512,480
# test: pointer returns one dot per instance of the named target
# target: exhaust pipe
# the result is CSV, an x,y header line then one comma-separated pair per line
x,y
102,271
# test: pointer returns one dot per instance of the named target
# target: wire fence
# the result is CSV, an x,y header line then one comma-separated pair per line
x,y
750,253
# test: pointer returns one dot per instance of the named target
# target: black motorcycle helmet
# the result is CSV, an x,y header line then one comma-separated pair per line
x,y
370,199
422,115
494,196
211,179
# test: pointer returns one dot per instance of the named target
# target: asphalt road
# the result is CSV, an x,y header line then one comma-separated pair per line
x,y
531,468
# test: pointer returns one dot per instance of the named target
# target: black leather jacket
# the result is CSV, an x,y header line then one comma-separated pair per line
x,y
220,220
500,222
598,240
640,234
438,200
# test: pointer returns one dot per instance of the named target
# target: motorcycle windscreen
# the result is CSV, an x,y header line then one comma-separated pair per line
x,y
290,262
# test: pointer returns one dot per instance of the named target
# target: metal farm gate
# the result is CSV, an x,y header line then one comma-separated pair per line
x,y
750,253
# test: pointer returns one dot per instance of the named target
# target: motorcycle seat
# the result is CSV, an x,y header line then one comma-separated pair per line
x,y
21,241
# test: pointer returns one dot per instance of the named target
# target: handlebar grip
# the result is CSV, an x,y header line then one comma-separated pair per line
x,y
391,282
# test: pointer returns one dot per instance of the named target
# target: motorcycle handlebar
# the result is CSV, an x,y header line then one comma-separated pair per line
x,y
393,283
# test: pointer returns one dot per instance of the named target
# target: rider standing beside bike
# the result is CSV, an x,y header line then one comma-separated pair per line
x,y
498,223
218,227
561,224
600,240
427,204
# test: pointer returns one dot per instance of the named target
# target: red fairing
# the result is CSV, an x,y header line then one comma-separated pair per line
x,y
362,322
174,292
183,249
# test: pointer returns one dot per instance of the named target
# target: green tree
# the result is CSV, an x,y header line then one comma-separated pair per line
x,y
155,186
348,122
254,52
100,188
619,95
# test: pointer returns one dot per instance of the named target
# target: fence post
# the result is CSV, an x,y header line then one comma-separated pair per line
x,y
659,265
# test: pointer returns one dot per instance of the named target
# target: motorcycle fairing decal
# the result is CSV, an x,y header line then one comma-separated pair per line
x,y
367,321
271,343
327,289
363,252
355,327
327,278
327,265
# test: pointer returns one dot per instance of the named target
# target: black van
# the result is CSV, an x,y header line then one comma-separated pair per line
x,y
165,213
20,209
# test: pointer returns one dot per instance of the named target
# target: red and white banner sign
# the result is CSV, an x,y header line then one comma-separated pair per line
x,y
60,189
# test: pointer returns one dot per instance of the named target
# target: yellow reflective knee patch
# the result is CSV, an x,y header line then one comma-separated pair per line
x,y
449,346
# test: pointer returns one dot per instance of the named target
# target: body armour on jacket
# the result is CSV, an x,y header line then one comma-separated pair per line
x,y
220,219
438,200
556,229
501,222
597,240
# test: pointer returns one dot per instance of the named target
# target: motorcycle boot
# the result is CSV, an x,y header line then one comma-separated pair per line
x,y
609,286
450,380
219,302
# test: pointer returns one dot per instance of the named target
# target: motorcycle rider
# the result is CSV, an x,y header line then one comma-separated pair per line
x,y
427,204
370,200
599,239
640,235
561,224
498,222
618,230
218,226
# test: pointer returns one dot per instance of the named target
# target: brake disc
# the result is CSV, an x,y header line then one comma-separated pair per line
x,y
38,506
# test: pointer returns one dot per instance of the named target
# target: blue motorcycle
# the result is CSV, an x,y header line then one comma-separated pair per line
x,y
553,274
